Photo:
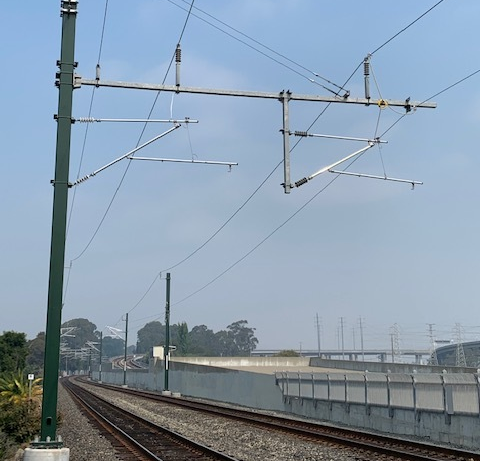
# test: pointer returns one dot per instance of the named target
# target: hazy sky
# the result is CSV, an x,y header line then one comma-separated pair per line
x,y
352,248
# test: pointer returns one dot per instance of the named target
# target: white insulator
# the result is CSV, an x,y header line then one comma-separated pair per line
x,y
86,120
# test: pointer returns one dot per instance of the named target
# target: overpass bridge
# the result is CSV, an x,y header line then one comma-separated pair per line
x,y
382,355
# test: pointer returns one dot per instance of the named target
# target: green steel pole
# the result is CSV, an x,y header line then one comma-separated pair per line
x,y
125,358
65,83
167,333
100,362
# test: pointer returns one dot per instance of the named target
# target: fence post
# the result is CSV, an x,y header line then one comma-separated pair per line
x,y
367,403
347,396
477,379
447,401
328,387
389,398
416,414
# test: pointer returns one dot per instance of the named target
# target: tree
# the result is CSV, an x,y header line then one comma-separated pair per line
x,y
241,338
36,350
20,405
287,353
203,342
83,331
152,334
225,344
13,351
75,335
183,341
112,347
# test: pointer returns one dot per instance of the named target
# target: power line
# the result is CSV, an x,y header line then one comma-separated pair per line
x,y
394,36
89,114
128,165
406,27
240,208
138,142
260,51
311,199
434,96
72,205
265,238
263,182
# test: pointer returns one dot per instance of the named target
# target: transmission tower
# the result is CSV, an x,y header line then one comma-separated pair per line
x,y
433,351
361,338
460,360
318,325
395,340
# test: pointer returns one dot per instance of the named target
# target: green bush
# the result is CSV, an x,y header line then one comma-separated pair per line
x,y
20,408
20,422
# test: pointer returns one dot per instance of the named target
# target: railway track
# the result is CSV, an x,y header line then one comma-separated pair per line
x,y
368,446
136,438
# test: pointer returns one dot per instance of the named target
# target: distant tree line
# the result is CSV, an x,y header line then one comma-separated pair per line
x,y
20,399
80,344
237,340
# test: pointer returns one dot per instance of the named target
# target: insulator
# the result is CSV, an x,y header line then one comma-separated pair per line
x,y
97,72
366,66
178,54
301,182
301,133
86,120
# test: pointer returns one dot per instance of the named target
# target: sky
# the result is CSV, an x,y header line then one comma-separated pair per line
x,y
346,249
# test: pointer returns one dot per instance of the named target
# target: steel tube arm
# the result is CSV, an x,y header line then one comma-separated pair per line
x,y
130,153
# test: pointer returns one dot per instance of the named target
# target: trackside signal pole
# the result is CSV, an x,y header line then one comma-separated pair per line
x,y
166,352
65,82
125,352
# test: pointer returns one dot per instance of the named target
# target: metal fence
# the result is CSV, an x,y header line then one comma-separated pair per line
x,y
448,393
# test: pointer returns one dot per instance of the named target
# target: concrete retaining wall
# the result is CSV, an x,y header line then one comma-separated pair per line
x,y
384,367
343,401
245,388
460,430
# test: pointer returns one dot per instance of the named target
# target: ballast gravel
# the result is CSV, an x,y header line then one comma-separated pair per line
x,y
240,441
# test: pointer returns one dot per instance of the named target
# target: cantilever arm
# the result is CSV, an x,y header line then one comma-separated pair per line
x,y
128,154
333,165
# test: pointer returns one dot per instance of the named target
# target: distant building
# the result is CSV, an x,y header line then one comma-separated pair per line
x,y
459,354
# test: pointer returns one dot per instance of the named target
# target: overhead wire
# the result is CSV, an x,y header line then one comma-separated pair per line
x,y
262,52
84,143
138,142
407,27
128,165
276,167
258,245
434,96
328,184
89,113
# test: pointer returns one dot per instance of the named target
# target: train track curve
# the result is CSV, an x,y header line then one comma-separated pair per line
x,y
369,446
136,438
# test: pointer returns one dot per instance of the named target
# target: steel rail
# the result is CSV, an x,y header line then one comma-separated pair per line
x,y
379,443
179,447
